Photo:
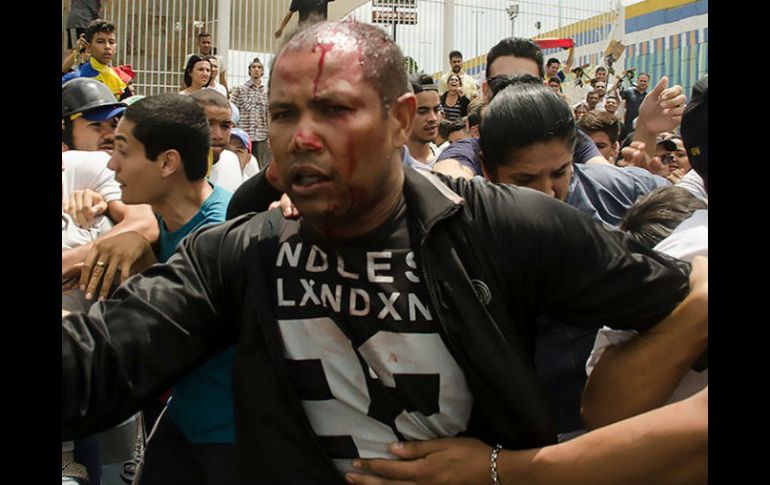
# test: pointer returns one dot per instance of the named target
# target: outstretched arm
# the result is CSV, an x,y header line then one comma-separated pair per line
x,y
665,446
154,329
641,374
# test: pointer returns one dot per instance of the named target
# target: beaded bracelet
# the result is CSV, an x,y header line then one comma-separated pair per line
x,y
493,464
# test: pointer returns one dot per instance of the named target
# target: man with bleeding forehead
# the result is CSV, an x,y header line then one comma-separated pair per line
x,y
400,306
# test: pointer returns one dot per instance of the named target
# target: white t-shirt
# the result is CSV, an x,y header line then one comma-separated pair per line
x,y
693,183
251,168
227,171
688,240
218,88
87,170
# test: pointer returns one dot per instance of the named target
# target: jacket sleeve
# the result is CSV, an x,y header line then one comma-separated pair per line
x,y
568,266
158,326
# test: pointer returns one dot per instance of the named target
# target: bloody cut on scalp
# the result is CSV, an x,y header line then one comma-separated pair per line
x,y
381,59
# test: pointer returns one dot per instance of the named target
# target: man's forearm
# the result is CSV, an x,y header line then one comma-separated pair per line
x,y
666,446
139,218
285,21
646,136
640,374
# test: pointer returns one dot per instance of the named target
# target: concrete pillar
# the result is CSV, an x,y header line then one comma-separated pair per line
x,y
223,33
449,33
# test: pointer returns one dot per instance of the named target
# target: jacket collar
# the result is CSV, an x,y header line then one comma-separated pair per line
x,y
250,83
428,199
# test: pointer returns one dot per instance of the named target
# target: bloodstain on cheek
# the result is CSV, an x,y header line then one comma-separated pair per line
x,y
324,48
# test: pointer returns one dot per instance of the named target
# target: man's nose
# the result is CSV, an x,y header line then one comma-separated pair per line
x,y
305,137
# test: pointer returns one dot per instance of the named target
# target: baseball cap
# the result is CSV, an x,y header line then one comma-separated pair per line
x,y
666,143
103,113
242,136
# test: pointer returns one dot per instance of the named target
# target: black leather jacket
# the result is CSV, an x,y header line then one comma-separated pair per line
x,y
494,257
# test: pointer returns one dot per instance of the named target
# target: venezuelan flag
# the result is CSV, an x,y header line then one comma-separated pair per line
x,y
113,78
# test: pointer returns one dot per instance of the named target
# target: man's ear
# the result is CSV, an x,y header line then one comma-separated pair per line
x,y
484,170
170,163
485,91
402,116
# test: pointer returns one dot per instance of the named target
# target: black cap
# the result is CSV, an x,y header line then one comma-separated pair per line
x,y
666,143
81,94
695,129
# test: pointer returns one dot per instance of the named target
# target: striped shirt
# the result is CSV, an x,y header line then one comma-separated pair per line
x,y
251,102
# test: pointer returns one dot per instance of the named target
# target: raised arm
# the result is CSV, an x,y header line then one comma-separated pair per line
x,y
568,62
661,110
285,21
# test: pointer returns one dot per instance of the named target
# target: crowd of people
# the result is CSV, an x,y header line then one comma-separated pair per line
x,y
349,274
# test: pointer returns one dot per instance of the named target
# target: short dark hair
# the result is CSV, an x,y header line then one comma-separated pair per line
x,y
498,83
655,215
552,60
600,121
210,57
203,34
523,113
422,82
644,74
384,66
447,127
98,25
172,122
194,59
611,96
474,111
454,54
554,79
210,97
600,68
516,47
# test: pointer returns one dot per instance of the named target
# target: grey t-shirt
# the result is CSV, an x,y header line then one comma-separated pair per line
x,y
82,12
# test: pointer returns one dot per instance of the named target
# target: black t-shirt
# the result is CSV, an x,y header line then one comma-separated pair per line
x,y
633,99
308,7
362,342
458,110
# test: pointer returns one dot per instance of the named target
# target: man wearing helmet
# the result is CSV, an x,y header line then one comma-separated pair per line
x,y
90,114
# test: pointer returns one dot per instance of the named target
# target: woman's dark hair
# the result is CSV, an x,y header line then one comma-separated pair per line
x,y
523,111
654,216
194,59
